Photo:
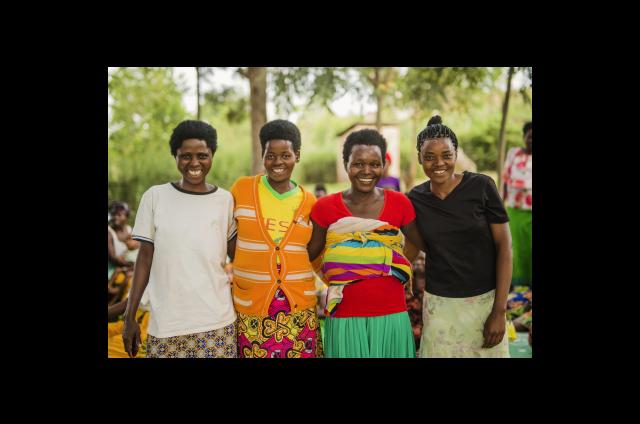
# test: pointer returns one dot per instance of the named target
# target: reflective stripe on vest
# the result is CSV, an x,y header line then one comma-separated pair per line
x,y
295,248
249,245
244,213
299,275
242,302
266,277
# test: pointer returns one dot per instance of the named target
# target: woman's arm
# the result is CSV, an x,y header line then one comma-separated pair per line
x,y
496,322
131,329
231,247
318,238
416,244
116,310
132,244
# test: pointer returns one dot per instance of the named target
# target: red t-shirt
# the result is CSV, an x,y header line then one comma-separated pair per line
x,y
373,296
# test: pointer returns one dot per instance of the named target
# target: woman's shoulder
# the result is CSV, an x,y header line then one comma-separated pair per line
x,y
330,200
477,179
246,179
221,192
157,189
513,152
419,189
242,182
395,196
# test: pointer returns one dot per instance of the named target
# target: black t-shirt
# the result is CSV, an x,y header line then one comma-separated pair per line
x,y
461,254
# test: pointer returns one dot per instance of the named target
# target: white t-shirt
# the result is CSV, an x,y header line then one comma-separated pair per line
x,y
189,291
120,248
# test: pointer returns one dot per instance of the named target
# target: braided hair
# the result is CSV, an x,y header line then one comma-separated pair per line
x,y
435,129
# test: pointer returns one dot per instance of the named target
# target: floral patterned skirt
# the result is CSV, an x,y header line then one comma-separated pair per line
x,y
220,343
281,334
453,327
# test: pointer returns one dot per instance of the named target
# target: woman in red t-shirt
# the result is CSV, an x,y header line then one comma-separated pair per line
x,y
357,234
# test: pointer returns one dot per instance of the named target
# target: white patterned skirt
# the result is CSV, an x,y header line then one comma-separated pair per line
x,y
453,327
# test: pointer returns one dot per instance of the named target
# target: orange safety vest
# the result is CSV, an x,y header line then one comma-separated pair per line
x,y
255,273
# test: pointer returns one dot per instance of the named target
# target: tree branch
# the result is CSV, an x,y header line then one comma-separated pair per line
x,y
243,72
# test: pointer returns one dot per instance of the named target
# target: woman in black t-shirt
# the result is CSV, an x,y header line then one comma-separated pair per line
x,y
465,228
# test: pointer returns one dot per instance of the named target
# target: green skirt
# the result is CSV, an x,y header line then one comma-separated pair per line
x,y
520,226
386,336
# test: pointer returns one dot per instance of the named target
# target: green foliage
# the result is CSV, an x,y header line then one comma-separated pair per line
x,y
230,103
311,85
320,142
233,158
146,106
317,166
478,130
426,89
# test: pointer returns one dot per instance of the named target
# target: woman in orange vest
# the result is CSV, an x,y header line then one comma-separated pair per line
x,y
273,281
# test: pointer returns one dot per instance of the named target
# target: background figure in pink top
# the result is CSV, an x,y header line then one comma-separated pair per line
x,y
518,190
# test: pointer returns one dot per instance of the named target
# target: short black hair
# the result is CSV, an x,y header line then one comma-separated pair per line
x,y
435,129
527,127
280,129
117,206
320,186
368,137
193,129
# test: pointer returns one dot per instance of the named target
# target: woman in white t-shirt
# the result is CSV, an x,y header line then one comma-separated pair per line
x,y
185,229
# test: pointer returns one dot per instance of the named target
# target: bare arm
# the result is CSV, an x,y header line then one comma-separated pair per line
x,y
132,244
131,330
116,310
231,247
495,326
504,264
317,242
416,244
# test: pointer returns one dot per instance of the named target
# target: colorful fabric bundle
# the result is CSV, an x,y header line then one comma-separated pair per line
x,y
358,249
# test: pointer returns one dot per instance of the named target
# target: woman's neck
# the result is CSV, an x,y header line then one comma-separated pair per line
x,y
117,227
445,187
356,196
200,188
281,186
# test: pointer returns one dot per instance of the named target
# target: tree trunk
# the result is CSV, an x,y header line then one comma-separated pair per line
x,y
501,142
378,95
410,175
198,93
258,84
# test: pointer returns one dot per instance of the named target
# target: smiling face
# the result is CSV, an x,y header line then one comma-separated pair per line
x,y
194,160
364,167
438,159
279,160
119,218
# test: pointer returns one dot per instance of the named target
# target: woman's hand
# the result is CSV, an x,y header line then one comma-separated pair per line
x,y
409,286
494,329
131,337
